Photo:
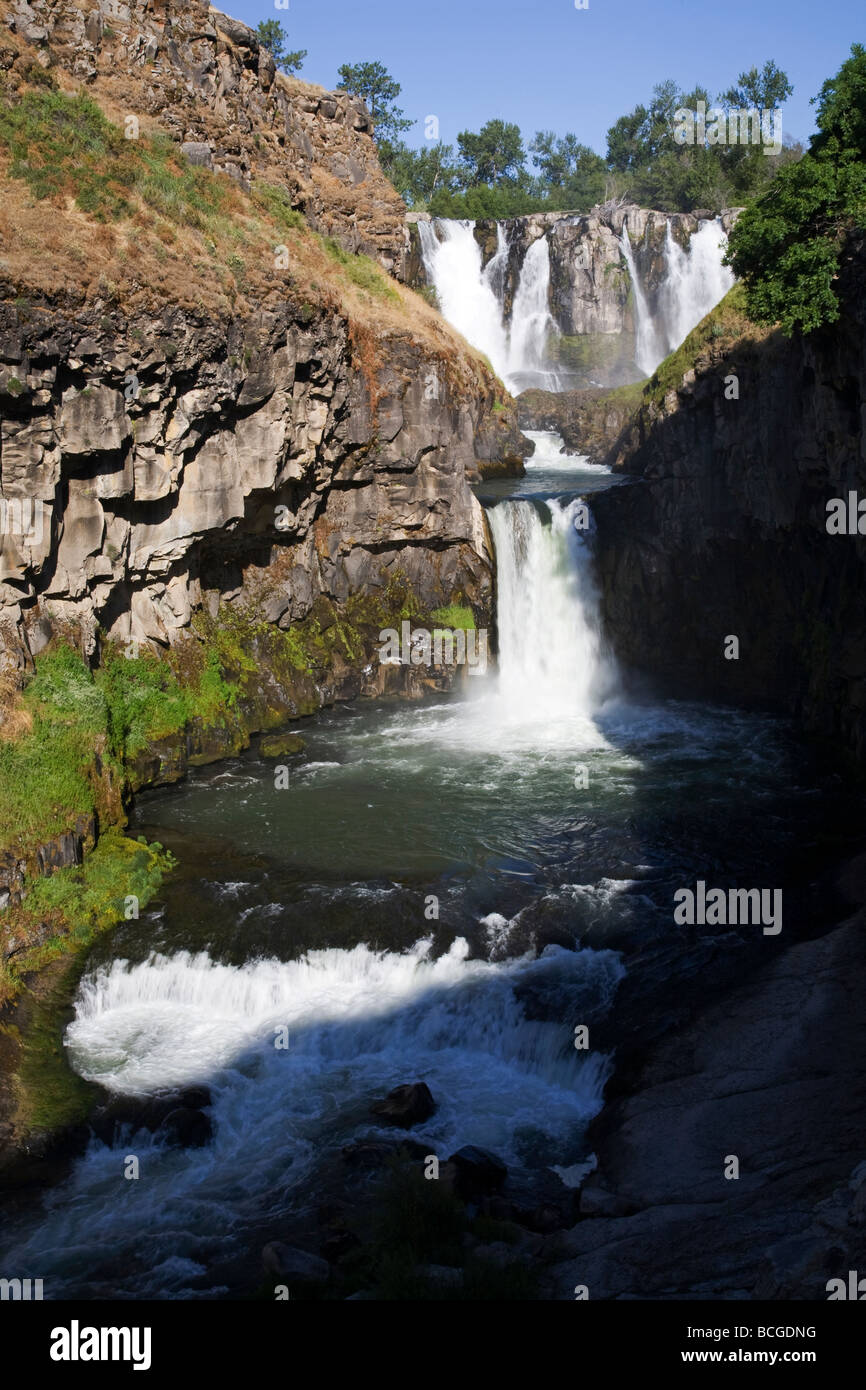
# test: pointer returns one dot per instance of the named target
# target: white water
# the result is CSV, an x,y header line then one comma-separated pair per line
x,y
532,324
648,351
550,458
472,297
695,281
360,1022
466,295
550,652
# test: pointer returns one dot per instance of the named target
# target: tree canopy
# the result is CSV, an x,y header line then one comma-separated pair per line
x,y
375,85
786,246
497,172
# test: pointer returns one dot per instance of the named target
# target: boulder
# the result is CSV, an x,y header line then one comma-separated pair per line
x,y
178,1114
281,745
406,1105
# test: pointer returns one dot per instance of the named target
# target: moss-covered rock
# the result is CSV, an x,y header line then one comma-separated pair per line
x,y
281,745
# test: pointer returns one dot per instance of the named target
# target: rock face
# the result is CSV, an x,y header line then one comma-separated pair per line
x,y
175,464
599,424
774,1077
216,92
723,532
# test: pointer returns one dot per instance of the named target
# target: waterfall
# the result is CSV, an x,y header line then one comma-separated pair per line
x,y
532,323
694,282
551,664
466,294
648,351
472,297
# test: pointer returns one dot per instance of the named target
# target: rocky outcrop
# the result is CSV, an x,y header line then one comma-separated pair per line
x,y
773,1077
174,464
210,85
599,424
723,534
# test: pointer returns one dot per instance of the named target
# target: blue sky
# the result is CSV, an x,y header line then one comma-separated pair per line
x,y
547,65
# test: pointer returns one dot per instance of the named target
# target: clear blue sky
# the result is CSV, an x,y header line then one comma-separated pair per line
x,y
546,65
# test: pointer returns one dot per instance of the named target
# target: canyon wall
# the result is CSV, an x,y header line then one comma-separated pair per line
x,y
722,531
206,81
179,434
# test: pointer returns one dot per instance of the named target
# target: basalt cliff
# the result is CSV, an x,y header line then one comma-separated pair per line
x,y
220,406
737,448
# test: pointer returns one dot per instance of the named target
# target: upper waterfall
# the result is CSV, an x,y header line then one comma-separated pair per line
x,y
647,349
565,300
466,288
472,297
695,281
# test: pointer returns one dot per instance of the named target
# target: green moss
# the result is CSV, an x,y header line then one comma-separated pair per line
x,y
81,901
46,773
455,616
84,722
728,321
362,271
77,904
50,1095
591,352
63,913
281,746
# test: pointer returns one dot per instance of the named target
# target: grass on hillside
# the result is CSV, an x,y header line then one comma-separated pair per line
x,y
64,147
722,328
131,219
362,271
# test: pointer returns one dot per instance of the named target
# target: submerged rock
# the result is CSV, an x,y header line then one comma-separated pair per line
x,y
406,1105
281,745
187,1129
179,1116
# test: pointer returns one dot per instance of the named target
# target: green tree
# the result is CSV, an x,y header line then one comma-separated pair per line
x,y
841,103
563,163
418,175
375,85
764,90
493,155
786,246
273,37
625,140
